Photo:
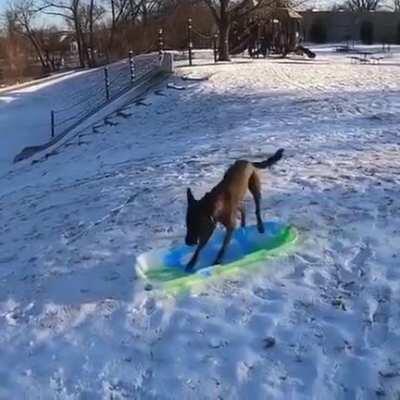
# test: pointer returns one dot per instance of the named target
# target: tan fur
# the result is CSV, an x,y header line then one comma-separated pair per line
x,y
223,203
226,199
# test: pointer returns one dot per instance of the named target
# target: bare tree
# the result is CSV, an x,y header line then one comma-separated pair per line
x,y
13,49
91,33
54,46
24,12
151,8
121,11
69,10
225,13
90,15
81,17
363,5
133,17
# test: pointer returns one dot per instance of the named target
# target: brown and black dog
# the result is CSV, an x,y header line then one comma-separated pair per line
x,y
222,204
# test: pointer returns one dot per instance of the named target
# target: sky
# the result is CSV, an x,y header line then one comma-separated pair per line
x,y
318,3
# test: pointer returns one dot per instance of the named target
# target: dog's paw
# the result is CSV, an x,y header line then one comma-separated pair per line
x,y
261,228
189,268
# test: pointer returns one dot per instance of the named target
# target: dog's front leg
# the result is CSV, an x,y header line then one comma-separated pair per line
x,y
203,242
227,239
242,216
194,258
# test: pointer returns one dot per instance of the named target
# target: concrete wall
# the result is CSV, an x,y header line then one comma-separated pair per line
x,y
342,25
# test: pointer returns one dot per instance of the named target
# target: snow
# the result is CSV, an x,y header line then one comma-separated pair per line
x,y
321,322
7,88
25,114
25,118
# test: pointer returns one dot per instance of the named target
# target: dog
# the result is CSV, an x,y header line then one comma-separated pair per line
x,y
222,205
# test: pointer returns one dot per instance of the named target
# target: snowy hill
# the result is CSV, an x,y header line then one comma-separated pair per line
x,y
25,112
321,323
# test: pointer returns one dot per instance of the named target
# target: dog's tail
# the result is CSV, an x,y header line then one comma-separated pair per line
x,y
270,161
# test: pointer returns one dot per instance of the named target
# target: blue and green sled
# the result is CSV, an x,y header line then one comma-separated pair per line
x,y
165,268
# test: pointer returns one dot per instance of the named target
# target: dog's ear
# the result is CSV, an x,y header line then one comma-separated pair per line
x,y
190,197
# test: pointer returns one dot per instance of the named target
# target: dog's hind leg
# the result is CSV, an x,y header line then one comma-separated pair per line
x,y
242,212
255,189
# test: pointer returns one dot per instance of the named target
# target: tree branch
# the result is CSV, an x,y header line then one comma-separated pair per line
x,y
213,10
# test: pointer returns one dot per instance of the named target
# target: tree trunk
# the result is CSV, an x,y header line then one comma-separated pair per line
x,y
223,50
78,33
43,61
91,35
85,47
30,34
112,32
80,47
81,55
145,14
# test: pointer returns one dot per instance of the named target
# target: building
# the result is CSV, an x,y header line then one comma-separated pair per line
x,y
341,26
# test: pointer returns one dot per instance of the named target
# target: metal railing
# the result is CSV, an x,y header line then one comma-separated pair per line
x,y
99,87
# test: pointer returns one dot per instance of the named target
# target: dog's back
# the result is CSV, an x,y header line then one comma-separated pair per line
x,y
237,178
236,181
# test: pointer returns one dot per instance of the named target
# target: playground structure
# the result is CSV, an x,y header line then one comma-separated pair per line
x,y
268,31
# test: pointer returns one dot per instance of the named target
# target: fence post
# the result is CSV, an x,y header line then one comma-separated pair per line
x,y
215,47
160,42
107,83
132,66
52,114
190,44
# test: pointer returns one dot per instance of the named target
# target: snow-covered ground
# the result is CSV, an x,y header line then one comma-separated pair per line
x,y
322,322
25,112
25,118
